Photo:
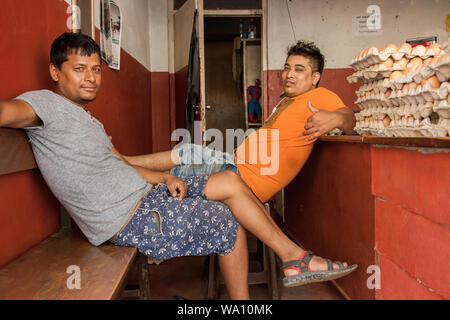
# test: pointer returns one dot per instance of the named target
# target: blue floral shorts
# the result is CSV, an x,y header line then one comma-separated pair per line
x,y
164,227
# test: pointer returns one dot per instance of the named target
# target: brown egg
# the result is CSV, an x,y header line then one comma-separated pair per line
x,y
414,61
364,52
391,47
388,92
402,63
420,49
406,48
388,63
371,50
448,99
413,85
405,88
436,48
386,121
414,64
426,62
395,75
433,81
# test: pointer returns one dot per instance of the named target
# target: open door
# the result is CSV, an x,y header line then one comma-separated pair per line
x,y
183,20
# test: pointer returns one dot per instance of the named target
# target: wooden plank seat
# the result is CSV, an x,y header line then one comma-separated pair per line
x,y
41,272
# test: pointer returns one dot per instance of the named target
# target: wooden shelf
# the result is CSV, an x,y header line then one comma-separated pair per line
x,y
417,142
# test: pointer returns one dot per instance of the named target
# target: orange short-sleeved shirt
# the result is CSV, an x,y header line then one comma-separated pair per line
x,y
272,156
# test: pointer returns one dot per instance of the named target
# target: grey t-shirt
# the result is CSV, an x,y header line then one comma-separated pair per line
x,y
73,152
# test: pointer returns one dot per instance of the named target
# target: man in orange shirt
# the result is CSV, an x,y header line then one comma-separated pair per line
x,y
304,106
269,158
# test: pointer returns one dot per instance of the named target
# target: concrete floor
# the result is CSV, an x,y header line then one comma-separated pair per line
x,y
187,277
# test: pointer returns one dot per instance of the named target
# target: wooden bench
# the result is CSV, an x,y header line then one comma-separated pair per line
x,y
44,272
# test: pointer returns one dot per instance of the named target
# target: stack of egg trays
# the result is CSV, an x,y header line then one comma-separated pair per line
x,y
390,107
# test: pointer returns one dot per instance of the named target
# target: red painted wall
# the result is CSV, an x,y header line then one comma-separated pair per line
x,y
372,205
133,104
28,211
329,210
124,103
412,222
161,111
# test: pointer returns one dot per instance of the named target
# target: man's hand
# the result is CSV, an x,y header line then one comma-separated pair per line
x,y
322,122
177,187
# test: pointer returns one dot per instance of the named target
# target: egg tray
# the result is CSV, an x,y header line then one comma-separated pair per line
x,y
380,72
441,69
405,127
417,111
373,57
419,95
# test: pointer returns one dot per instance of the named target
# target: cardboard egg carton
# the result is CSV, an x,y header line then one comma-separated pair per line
x,y
441,129
441,69
410,127
372,56
420,94
378,86
442,108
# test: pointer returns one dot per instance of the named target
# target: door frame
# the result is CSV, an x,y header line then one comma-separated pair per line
x,y
260,13
250,13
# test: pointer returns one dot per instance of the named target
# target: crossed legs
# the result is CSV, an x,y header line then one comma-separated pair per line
x,y
228,187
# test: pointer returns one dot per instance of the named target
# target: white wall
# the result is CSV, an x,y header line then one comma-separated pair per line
x,y
159,35
144,31
329,24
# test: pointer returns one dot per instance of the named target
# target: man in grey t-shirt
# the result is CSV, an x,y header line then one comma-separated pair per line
x,y
111,196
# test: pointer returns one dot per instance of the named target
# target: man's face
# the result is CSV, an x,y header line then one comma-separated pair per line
x,y
79,78
298,76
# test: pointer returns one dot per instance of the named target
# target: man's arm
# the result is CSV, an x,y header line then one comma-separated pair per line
x,y
322,122
160,161
18,114
176,186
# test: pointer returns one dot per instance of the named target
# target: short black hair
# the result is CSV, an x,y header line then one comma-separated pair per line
x,y
309,50
69,42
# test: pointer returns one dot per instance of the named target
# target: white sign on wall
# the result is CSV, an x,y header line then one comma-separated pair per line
x,y
369,23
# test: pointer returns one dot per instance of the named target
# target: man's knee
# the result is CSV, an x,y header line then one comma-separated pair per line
x,y
231,177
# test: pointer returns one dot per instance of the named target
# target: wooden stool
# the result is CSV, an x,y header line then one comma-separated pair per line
x,y
267,276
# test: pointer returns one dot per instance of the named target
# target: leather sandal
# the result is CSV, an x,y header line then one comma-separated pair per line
x,y
305,275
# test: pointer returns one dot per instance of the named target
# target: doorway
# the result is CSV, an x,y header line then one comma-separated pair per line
x,y
232,64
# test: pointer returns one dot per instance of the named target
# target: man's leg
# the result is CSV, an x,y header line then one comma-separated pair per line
x,y
234,268
229,188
